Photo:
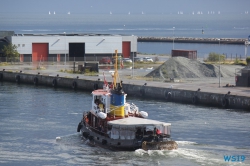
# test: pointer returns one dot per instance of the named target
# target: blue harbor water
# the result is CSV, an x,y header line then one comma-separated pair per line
x,y
32,117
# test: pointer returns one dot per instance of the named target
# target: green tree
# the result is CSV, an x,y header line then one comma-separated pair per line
x,y
248,61
10,51
214,57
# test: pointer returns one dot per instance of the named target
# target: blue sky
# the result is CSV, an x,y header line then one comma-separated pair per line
x,y
121,7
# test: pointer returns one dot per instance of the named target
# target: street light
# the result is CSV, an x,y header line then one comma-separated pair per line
x,y
133,65
219,63
173,36
65,47
247,43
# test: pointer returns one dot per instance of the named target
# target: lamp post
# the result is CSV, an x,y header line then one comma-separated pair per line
x,y
133,63
173,36
247,43
65,47
133,66
219,63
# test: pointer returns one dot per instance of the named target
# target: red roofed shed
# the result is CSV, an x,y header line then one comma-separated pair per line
x,y
190,54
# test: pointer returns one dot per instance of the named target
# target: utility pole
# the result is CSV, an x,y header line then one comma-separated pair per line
x,y
219,63
173,37
65,47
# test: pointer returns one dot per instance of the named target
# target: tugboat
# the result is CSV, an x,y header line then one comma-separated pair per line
x,y
115,124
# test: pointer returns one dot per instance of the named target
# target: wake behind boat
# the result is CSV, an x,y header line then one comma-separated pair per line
x,y
113,123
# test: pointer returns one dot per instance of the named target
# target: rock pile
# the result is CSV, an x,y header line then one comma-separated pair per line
x,y
180,67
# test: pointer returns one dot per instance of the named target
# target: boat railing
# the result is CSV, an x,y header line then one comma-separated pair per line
x,y
99,132
96,130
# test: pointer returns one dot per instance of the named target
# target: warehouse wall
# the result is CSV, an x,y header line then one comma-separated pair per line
x,y
59,44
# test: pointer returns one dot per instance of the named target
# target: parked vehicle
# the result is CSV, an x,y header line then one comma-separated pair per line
x,y
147,59
127,60
105,60
138,59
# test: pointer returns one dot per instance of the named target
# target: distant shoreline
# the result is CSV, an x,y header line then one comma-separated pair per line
x,y
239,41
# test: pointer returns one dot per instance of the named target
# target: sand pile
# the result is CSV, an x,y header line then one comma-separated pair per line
x,y
180,67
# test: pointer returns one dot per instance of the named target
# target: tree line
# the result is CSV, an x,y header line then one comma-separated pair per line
x,y
215,57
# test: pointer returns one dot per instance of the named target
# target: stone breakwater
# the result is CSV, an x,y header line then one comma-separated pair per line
x,y
158,93
193,40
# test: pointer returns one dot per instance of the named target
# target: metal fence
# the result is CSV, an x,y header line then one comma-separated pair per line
x,y
62,58
50,59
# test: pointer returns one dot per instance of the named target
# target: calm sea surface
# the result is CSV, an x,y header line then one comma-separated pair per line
x,y
214,26
32,117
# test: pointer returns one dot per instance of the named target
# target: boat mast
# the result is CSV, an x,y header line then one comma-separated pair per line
x,y
116,72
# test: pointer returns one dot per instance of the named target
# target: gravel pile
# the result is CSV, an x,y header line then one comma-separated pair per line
x,y
180,67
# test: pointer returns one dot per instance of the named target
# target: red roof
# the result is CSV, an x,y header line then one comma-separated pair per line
x,y
99,92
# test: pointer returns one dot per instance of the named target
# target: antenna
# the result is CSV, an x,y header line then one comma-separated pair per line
x,y
115,74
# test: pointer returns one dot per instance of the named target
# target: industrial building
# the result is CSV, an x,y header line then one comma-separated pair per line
x,y
190,54
70,47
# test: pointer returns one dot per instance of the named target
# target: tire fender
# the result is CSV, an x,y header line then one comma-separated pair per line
x,y
224,102
54,82
95,86
35,80
1,76
168,95
18,78
195,100
74,85
142,91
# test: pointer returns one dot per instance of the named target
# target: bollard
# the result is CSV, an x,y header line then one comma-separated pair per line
x,y
74,67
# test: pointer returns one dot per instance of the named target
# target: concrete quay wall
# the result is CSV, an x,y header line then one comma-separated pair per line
x,y
192,40
158,93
